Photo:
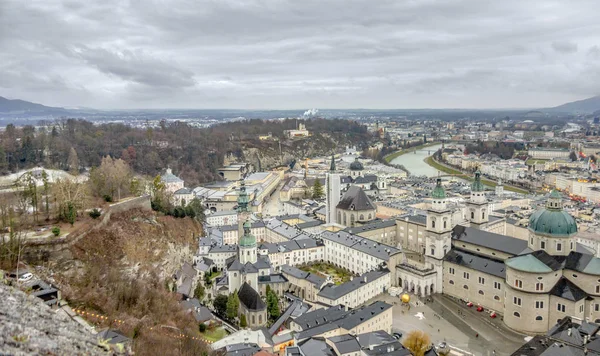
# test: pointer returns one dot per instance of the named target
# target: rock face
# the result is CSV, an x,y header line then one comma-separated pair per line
x,y
29,327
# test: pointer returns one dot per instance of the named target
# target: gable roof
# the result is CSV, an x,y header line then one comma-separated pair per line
x,y
355,199
250,298
334,292
502,243
476,262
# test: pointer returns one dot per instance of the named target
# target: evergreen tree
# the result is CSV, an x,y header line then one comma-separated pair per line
x,y
199,291
220,304
233,305
317,190
73,162
272,304
243,322
3,161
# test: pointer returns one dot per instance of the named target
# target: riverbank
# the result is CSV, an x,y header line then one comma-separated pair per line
x,y
391,156
459,174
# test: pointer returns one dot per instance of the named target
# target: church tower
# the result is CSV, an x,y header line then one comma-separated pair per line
x,y
333,186
247,251
439,220
477,206
243,209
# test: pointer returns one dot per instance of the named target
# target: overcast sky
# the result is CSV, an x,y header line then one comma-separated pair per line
x,y
276,54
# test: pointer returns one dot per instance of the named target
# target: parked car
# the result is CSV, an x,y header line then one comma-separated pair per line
x,y
25,277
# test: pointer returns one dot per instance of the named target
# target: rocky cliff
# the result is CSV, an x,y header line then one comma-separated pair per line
x,y
29,327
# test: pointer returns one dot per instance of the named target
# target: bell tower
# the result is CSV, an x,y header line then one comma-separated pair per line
x,y
439,220
477,206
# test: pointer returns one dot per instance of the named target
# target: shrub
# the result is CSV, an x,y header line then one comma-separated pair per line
x,y
95,214
202,327
107,198
56,231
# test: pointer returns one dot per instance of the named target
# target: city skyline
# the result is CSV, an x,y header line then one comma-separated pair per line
x,y
288,55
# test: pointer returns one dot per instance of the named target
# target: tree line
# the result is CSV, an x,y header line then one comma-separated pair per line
x,y
194,153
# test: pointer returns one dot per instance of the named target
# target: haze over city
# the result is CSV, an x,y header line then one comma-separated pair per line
x,y
299,54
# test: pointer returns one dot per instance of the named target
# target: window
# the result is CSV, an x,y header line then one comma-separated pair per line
x,y
451,281
518,283
465,286
596,307
539,317
466,275
481,280
560,307
517,301
542,245
531,241
444,224
451,270
497,285
517,314
432,223
472,215
558,246
574,276
539,304
597,289
539,286
432,251
496,297
483,214
481,292
581,308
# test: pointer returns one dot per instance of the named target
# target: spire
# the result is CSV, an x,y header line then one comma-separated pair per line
x,y
332,166
477,186
242,199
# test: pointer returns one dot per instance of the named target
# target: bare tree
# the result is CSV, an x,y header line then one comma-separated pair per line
x,y
418,342
70,197
111,178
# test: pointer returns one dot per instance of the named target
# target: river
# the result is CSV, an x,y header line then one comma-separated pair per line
x,y
414,163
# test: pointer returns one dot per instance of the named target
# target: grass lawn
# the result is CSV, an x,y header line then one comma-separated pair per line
x,y
391,156
338,275
532,161
430,161
215,334
214,275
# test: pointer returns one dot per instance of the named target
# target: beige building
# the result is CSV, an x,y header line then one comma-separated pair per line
x,y
357,291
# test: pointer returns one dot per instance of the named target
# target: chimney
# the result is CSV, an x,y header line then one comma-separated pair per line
x,y
365,279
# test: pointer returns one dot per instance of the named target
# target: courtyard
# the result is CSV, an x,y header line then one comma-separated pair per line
x,y
338,275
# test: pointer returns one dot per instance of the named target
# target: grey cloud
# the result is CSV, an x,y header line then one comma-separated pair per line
x,y
298,54
564,47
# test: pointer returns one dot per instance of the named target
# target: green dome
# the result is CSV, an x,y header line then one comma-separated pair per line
x,y
247,240
438,192
554,222
477,186
356,165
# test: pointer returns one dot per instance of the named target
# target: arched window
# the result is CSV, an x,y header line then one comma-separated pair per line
x,y
339,217
539,317
496,297
481,292
351,219
517,314
432,223
445,222
369,217
466,286
362,217
472,215
483,214
345,222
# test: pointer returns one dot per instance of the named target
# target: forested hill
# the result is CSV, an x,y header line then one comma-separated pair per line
x,y
193,153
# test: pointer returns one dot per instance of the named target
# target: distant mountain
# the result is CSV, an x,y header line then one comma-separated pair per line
x,y
16,106
588,105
